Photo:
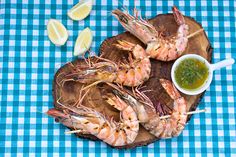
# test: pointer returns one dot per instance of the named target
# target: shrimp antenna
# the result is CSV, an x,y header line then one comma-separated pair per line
x,y
109,13
58,65
145,99
135,11
93,84
58,83
87,61
123,6
79,99
44,113
107,60
92,53
67,107
82,98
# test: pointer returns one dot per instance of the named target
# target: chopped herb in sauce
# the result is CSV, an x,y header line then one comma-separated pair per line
x,y
191,73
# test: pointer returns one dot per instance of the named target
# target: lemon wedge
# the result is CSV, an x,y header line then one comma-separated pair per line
x,y
83,42
81,10
57,32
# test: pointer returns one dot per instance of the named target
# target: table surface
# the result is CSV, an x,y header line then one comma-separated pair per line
x,y
28,61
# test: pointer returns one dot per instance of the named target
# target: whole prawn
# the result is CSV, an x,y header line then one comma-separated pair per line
x,y
166,128
151,121
158,47
89,121
134,74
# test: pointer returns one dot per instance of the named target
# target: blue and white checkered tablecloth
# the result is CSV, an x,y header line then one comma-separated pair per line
x,y
28,61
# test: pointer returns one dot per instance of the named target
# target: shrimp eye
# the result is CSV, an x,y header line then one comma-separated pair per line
x,y
75,78
123,19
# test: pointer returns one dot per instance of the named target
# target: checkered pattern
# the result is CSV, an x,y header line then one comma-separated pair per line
x,y
28,61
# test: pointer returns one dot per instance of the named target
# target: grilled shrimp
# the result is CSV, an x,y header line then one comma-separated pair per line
x,y
132,75
158,47
151,121
89,121
166,128
140,68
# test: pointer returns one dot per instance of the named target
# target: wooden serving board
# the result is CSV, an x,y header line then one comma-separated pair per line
x,y
198,44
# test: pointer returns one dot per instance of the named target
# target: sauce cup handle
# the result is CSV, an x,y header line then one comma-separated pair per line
x,y
222,64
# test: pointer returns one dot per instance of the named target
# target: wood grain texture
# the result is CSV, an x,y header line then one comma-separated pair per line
x,y
199,44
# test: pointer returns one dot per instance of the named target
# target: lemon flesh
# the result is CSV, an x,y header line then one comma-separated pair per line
x,y
57,33
83,42
80,10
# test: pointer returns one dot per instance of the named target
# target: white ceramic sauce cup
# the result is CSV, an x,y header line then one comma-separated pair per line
x,y
211,68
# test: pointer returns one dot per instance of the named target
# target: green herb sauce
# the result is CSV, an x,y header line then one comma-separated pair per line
x,y
191,73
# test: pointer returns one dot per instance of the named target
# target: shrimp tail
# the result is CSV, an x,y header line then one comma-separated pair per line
x,y
179,18
170,89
